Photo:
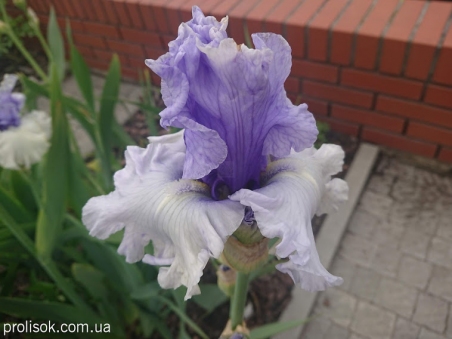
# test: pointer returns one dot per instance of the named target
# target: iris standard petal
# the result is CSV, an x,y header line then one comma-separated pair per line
x,y
10,103
237,95
294,188
152,203
26,144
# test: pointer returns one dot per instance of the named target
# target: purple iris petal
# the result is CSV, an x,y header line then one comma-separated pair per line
x,y
231,101
10,103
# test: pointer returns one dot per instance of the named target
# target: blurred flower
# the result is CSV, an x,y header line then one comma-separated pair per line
x,y
23,140
32,17
241,136
3,27
22,4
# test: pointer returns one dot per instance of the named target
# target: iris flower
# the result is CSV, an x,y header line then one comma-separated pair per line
x,y
23,140
244,152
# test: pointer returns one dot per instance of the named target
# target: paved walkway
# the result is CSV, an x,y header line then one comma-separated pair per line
x,y
396,261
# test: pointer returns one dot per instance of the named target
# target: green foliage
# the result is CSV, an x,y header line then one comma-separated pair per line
x,y
323,128
21,27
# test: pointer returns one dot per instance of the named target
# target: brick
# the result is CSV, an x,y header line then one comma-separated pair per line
x,y
97,64
338,125
368,118
133,7
396,297
414,272
121,12
99,11
236,17
88,9
414,110
89,40
86,52
211,4
148,16
437,95
153,53
369,34
185,8
372,321
382,83
76,25
430,133
338,94
396,38
110,13
275,19
316,107
158,8
130,73
296,25
137,62
144,37
426,40
292,85
443,68
107,55
126,48
174,19
431,312
344,30
224,8
59,8
108,31
399,142
314,70
319,29
255,18
445,154
78,8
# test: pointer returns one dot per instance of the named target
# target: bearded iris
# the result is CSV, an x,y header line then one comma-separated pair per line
x,y
245,153
23,140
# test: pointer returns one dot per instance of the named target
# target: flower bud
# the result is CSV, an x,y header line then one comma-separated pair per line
x,y
32,17
3,27
226,278
246,249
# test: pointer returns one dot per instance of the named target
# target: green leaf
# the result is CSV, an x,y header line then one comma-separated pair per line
x,y
24,191
146,291
43,310
55,176
92,279
266,331
210,298
56,45
82,75
15,208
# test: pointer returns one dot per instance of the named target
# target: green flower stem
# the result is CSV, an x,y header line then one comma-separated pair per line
x,y
20,46
239,299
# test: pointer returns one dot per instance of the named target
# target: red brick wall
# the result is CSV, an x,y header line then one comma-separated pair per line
x,y
377,69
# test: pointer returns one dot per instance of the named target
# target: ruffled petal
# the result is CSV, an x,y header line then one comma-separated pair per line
x,y
26,144
10,103
232,99
153,203
294,189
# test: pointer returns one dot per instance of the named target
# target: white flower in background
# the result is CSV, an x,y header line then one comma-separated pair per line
x,y
23,139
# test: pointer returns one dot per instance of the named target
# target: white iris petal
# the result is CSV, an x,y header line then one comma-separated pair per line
x,y
26,144
294,190
153,203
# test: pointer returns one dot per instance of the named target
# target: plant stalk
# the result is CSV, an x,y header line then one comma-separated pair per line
x,y
239,300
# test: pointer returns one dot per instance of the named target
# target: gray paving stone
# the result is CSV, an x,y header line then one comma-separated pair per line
x,y
426,334
373,322
362,223
405,329
376,204
356,336
336,305
426,222
440,252
414,272
415,243
431,312
365,283
357,249
403,213
445,227
337,332
316,328
396,168
396,297
441,283
345,269
405,190
380,184
388,235
386,261
449,323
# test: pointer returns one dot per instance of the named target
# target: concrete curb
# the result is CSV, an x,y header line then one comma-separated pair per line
x,y
330,236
